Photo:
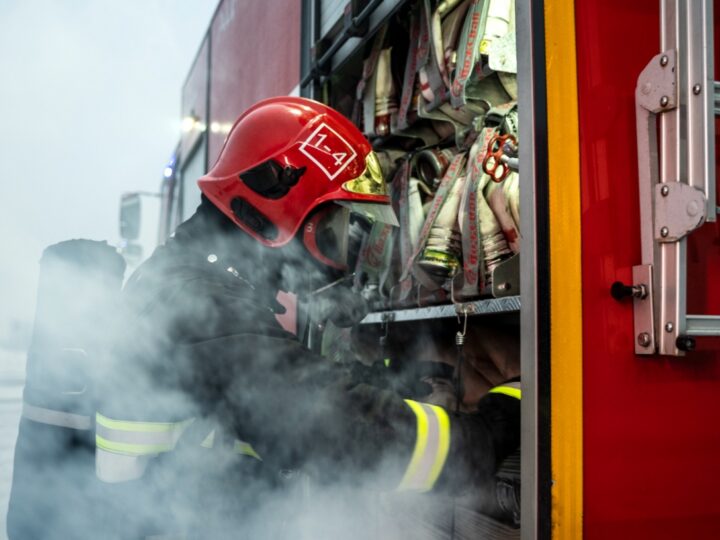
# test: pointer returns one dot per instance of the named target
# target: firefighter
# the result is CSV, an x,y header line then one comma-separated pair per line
x,y
212,404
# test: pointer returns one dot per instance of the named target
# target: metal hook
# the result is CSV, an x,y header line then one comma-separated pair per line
x,y
460,336
457,374
384,325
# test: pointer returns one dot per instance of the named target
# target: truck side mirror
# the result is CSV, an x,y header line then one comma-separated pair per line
x,y
130,216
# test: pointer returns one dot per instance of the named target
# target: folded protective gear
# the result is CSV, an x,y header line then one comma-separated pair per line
x,y
385,94
500,20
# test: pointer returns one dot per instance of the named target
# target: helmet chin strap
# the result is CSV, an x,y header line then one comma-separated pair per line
x,y
310,235
310,241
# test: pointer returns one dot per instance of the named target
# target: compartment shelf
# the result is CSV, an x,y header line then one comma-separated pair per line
x,y
507,304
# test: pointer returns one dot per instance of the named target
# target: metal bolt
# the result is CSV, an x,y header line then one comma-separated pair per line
x,y
664,191
212,258
669,327
664,232
643,339
663,60
697,89
664,101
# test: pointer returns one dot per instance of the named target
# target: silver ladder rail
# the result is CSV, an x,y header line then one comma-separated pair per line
x,y
676,175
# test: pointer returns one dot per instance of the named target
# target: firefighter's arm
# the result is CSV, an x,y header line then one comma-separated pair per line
x,y
297,409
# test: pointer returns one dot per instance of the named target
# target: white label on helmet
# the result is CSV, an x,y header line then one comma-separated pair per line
x,y
328,150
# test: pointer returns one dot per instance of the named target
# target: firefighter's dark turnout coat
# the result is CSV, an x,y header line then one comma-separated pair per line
x,y
211,406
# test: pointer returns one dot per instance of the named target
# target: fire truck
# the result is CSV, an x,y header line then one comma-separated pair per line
x,y
613,289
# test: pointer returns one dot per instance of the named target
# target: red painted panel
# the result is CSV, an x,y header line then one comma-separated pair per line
x,y
651,433
255,54
194,98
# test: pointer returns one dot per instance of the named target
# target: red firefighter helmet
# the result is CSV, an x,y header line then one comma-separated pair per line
x,y
286,156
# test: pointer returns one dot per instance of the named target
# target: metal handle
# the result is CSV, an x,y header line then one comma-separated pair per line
x,y
676,173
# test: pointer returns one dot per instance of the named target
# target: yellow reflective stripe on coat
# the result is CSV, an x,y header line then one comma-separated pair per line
x,y
131,425
239,447
246,449
137,438
131,449
431,447
509,389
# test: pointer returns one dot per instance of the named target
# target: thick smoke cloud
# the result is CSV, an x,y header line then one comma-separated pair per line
x,y
90,109
89,102
286,404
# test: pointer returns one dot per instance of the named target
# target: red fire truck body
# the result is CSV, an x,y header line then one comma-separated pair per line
x,y
616,443
250,52
650,440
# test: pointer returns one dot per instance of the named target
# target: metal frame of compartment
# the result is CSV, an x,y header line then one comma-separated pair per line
x,y
323,55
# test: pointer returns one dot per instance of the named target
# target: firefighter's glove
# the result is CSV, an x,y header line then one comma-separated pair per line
x,y
375,374
482,440
411,379
342,306
408,381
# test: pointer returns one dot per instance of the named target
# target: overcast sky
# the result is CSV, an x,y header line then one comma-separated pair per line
x,y
89,108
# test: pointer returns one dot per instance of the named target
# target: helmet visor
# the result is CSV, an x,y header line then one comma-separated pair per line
x,y
370,182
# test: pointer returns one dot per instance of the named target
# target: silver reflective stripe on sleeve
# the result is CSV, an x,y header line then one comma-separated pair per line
x,y
431,447
112,468
137,438
511,389
56,418
123,448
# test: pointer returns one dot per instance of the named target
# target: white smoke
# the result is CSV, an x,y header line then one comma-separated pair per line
x,y
89,108
299,415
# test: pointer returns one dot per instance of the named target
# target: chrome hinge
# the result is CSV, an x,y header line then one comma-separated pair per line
x,y
679,210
